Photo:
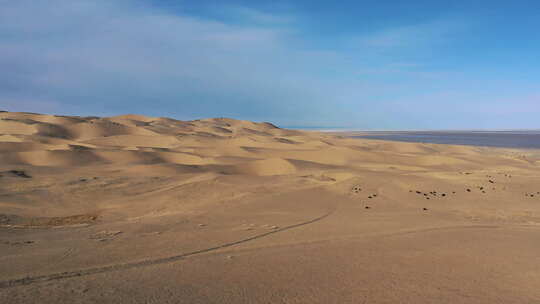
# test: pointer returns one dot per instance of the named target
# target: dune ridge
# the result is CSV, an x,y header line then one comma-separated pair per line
x,y
50,139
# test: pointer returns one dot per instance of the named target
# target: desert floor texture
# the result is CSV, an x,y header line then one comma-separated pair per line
x,y
133,209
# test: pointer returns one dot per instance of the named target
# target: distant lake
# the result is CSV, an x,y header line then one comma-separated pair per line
x,y
506,139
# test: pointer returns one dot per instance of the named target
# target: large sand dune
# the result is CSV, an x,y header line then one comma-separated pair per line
x,y
135,209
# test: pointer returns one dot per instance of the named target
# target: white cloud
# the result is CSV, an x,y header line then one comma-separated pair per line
x,y
411,36
109,57
111,54
257,16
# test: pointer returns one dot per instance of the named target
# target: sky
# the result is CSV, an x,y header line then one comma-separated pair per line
x,y
371,65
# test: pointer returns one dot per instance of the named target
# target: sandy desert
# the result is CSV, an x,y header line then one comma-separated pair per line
x,y
135,209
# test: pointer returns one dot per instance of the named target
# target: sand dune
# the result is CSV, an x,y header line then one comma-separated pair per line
x,y
132,208
15,127
52,158
135,140
275,166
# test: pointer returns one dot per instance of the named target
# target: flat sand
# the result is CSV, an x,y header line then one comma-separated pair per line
x,y
135,209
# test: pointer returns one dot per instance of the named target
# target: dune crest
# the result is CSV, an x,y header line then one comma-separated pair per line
x,y
266,167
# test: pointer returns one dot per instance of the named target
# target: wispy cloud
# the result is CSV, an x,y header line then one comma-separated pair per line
x,y
254,16
412,36
109,57
113,55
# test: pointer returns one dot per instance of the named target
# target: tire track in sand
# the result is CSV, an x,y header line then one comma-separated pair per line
x,y
118,267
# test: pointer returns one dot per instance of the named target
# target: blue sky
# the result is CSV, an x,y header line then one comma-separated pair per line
x,y
350,64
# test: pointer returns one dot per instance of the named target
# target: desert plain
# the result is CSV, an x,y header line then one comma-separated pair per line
x,y
136,209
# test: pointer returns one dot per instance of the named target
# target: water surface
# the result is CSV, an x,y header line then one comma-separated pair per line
x,y
506,139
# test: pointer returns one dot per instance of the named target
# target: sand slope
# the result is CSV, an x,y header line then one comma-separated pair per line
x,y
136,209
